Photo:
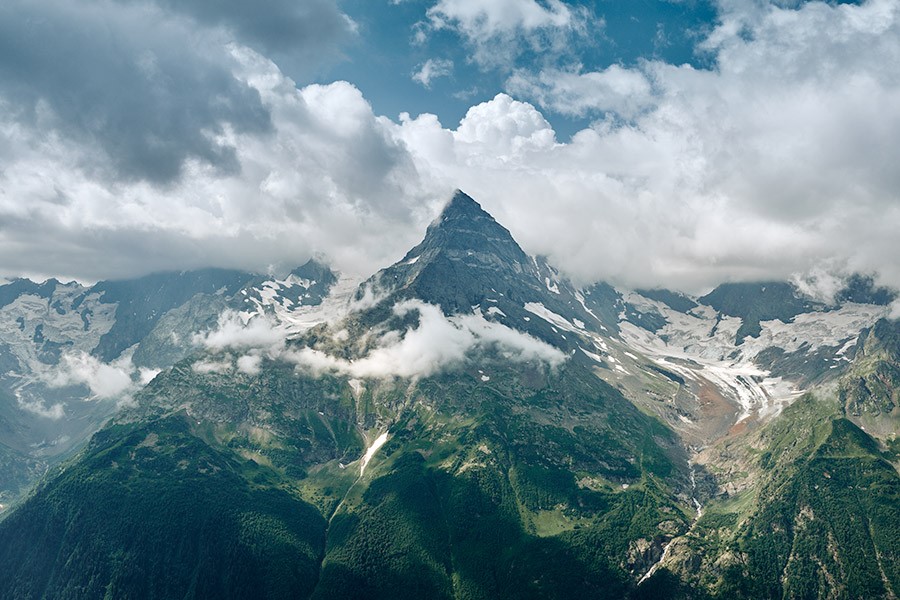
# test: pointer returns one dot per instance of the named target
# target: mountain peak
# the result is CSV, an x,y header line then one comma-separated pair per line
x,y
464,229
469,261
461,205
463,214
316,269
465,257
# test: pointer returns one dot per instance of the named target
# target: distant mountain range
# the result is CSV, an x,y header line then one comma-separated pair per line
x,y
466,423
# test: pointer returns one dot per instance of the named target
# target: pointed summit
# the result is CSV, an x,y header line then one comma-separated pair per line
x,y
468,262
465,231
462,206
316,270
466,256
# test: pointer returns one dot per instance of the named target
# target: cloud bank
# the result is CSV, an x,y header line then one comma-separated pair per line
x,y
778,160
436,343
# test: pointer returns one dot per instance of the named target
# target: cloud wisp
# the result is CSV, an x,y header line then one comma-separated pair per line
x,y
498,32
115,381
431,69
436,343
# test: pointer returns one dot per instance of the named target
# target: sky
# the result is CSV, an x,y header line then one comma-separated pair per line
x,y
677,143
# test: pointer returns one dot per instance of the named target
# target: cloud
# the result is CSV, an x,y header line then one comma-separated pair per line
x,y
822,282
432,69
502,129
206,367
250,364
236,333
117,380
146,375
147,87
625,92
498,32
139,90
480,20
329,177
254,335
436,343
38,407
105,380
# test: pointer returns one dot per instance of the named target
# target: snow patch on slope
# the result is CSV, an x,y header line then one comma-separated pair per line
x,y
371,450
701,344
334,307
536,308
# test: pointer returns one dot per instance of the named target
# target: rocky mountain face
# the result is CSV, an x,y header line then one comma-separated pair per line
x,y
70,355
466,423
871,389
805,504
469,262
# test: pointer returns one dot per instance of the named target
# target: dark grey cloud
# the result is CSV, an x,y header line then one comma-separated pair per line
x,y
140,85
294,30
129,82
329,177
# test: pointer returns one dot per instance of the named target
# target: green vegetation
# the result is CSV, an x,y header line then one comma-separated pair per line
x,y
532,484
872,387
151,511
823,519
490,506
421,532
829,528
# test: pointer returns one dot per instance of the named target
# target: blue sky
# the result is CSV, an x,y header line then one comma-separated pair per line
x,y
645,143
386,55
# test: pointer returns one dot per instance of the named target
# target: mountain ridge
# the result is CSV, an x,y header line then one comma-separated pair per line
x,y
557,442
